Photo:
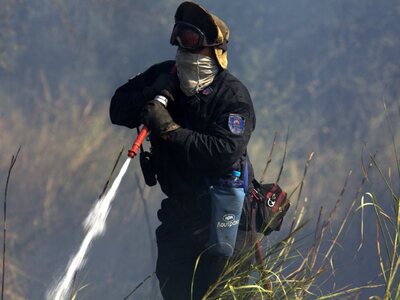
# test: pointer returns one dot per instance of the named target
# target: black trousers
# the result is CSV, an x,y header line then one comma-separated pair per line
x,y
184,268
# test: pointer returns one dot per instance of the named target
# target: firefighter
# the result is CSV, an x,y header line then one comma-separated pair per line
x,y
198,150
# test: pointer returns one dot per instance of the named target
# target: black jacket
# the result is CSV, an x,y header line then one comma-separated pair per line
x,y
205,148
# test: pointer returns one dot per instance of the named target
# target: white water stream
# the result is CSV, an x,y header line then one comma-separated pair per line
x,y
94,225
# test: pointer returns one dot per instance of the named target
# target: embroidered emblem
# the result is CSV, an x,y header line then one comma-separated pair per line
x,y
207,91
236,123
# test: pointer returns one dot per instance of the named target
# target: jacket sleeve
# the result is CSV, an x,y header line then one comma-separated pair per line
x,y
127,103
219,148
128,100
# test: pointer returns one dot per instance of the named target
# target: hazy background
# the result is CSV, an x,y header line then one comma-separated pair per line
x,y
322,68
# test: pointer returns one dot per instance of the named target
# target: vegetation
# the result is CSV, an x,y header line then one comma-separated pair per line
x,y
323,68
295,269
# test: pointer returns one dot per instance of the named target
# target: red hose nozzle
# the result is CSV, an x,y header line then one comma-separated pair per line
x,y
138,142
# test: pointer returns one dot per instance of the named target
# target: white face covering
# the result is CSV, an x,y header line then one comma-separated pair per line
x,y
195,71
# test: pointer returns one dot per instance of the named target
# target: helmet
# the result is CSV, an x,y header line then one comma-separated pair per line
x,y
215,31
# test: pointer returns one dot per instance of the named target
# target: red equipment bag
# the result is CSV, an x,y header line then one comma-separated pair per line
x,y
264,207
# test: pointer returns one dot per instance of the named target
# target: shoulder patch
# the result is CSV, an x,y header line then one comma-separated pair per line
x,y
236,123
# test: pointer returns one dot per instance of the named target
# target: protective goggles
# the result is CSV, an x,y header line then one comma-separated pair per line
x,y
189,37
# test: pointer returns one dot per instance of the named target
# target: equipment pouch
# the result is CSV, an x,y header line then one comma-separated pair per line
x,y
264,208
147,168
226,209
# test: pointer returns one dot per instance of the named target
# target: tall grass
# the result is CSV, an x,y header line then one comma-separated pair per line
x,y
387,220
9,292
294,268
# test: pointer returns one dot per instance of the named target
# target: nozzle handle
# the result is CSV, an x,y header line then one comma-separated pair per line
x,y
138,141
144,131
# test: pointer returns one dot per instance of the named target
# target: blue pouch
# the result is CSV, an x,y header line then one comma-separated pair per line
x,y
227,199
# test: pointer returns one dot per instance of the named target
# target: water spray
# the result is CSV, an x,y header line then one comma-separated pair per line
x,y
94,226
95,223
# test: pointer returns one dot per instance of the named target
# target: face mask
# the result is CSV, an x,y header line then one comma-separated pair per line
x,y
195,71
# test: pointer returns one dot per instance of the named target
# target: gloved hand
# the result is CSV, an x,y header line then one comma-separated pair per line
x,y
157,118
166,85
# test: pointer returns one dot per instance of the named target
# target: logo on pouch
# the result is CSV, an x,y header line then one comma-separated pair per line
x,y
271,201
229,220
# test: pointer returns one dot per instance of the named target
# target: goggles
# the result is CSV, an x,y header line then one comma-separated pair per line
x,y
189,37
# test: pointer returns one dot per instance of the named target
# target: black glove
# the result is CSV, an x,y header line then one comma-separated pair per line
x,y
157,118
166,85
